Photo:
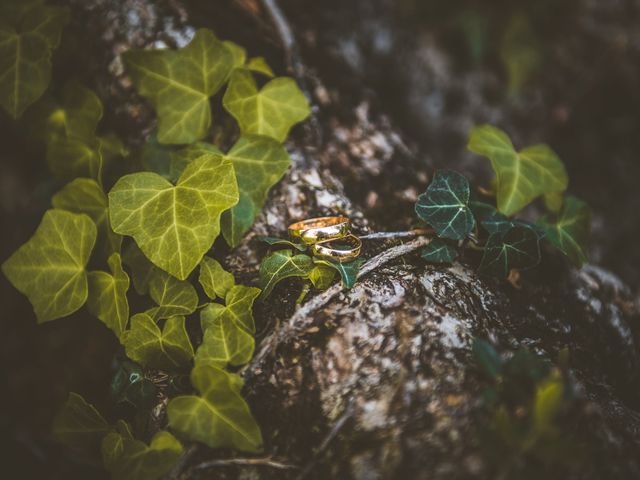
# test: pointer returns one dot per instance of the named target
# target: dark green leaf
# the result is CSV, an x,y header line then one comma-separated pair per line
x,y
142,270
445,207
517,248
348,271
487,358
569,232
280,265
439,251
130,386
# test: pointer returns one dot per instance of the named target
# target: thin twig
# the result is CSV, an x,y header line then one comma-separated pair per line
x,y
227,462
396,235
286,37
304,317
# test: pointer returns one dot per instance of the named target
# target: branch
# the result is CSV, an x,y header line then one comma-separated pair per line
x,y
228,462
396,235
304,317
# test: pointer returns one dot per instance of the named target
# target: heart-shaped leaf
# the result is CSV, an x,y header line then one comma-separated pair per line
x,y
84,195
445,205
50,268
215,281
130,459
173,296
225,341
80,427
489,217
270,111
219,417
179,84
183,157
174,226
281,241
569,231
280,265
29,33
260,65
322,276
108,296
521,176
348,271
166,349
517,248
439,251
239,307
259,163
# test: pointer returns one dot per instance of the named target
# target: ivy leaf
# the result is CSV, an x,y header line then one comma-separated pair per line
x,y
129,386
259,163
322,276
29,34
142,270
130,459
238,53
174,226
487,358
487,216
50,268
166,349
80,427
239,308
517,248
173,296
445,207
108,295
215,280
348,271
521,176
260,65
84,195
280,265
219,417
225,341
439,251
179,83
547,404
270,111
570,231
183,157
281,241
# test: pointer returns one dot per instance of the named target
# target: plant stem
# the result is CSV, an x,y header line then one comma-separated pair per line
x,y
393,235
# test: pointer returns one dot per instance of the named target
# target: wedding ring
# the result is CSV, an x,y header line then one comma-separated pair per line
x,y
340,250
315,230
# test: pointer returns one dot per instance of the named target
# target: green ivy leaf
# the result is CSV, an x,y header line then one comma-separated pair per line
x,y
174,226
130,386
489,217
439,251
270,111
29,34
280,265
239,308
179,83
80,427
348,271
259,163
50,268
173,296
238,53
166,349
84,195
219,417
130,459
547,404
142,270
521,176
445,207
570,230
281,241
108,295
183,157
487,358
260,65
215,280
517,248
225,341
322,276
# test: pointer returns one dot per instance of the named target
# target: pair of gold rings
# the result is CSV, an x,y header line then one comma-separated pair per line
x,y
329,237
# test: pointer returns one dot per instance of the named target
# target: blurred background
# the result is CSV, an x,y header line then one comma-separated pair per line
x,y
563,73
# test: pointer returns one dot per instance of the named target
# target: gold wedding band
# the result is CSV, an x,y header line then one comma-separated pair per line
x,y
341,250
315,230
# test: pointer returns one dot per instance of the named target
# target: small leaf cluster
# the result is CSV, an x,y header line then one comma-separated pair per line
x,y
509,243
153,230
528,409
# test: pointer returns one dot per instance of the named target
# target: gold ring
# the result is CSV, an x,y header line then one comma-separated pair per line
x,y
317,229
341,250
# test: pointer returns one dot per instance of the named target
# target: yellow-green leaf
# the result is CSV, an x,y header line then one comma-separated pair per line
x,y
130,459
50,268
183,157
166,349
219,417
29,34
348,270
175,226
259,163
282,264
84,195
173,296
547,404
523,175
270,111
260,65
322,276
569,231
179,83
215,280
108,295
80,427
